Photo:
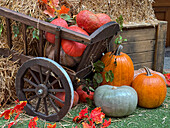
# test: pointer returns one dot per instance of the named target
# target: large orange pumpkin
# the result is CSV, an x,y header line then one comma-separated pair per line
x,y
121,65
151,89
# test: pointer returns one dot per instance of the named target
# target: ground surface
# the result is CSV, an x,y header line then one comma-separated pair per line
x,y
141,118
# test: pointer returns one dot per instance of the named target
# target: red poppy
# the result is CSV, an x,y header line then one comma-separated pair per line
x,y
7,114
51,126
33,123
11,124
63,10
96,115
106,123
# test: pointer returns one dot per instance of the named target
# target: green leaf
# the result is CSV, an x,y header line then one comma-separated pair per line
x,y
1,28
109,76
98,78
124,39
91,89
65,16
35,34
99,66
15,30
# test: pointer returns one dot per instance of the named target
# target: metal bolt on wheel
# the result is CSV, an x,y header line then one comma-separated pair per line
x,y
37,82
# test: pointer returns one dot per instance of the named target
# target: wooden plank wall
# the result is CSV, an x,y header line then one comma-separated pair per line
x,y
145,45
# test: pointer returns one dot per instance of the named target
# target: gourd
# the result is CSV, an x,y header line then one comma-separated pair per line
x,y
83,95
103,18
88,21
61,96
121,65
59,22
142,70
151,89
116,101
65,59
73,48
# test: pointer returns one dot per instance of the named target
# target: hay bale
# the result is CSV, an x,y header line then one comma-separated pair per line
x,y
133,11
8,70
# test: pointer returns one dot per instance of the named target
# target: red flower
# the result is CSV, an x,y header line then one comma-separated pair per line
x,y
7,114
167,76
51,126
63,10
33,122
106,123
50,11
18,108
81,115
11,124
96,115
86,125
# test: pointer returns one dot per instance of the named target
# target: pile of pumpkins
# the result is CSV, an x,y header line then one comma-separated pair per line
x,y
120,97
71,51
128,89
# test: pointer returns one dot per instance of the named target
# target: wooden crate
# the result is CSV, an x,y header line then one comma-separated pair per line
x,y
145,45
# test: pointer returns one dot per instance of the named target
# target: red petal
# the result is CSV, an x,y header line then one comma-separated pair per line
x,y
50,11
11,124
106,123
64,10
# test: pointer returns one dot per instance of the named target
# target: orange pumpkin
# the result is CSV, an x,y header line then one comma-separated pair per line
x,y
121,65
151,89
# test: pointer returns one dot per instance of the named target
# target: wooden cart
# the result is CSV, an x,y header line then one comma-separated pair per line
x,y
40,91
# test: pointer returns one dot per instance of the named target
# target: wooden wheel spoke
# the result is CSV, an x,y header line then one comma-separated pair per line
x,y
56,90
40,73
54,82
29,90
33,97
34,76
47,77
53,105
56,98
45,105
38,104
30,82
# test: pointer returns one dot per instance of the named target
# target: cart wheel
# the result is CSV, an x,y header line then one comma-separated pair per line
x,y
37,82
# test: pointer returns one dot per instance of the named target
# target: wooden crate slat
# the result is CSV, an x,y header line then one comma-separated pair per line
x,y
142,57
140,65
139,34
138,46
160,47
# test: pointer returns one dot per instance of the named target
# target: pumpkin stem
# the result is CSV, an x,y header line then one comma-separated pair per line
x,y
147,71
114,87
118,50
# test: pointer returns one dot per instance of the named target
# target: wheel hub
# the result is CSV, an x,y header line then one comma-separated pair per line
x,y
41,91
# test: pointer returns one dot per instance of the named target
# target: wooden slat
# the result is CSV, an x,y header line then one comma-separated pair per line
x,y
139,34
25,39
140,65
57,45
160,47
139,46
45,26
9,34
41,43
142,57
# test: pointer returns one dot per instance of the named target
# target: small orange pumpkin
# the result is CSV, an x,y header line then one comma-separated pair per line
x,y
121,65
151,89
